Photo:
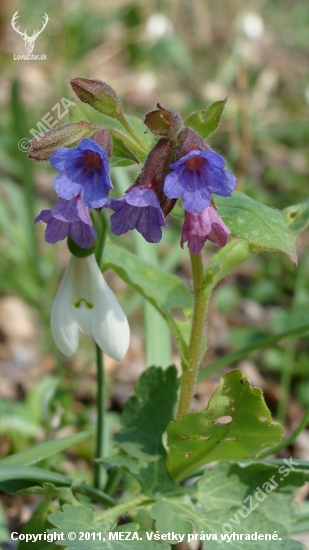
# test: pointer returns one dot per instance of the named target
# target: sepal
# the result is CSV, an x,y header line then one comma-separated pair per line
x,y
77,250
155,170
187,141
163,122
98,94
103,138
69,135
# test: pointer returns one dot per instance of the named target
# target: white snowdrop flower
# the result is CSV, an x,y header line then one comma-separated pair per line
x,y
253,25
85,301
158,26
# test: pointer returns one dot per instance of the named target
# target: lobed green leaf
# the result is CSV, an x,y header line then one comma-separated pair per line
x,y
147,414
88,520
235,425
219,500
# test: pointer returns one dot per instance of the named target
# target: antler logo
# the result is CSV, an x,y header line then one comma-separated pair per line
x,y
29,40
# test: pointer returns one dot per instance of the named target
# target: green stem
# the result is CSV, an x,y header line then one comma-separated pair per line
x,y
100,418
96,495
121,118
124,507
113,480
190,367
288,440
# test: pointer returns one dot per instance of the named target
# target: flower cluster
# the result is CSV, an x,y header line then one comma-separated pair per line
x,y
194,178
189,172
83,183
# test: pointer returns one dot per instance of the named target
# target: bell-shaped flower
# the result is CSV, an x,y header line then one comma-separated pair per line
x,y
138,209
195,177
84,171
68,217
200,227
85,301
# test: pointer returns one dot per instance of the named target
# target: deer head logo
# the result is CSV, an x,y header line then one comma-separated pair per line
x,y
29,40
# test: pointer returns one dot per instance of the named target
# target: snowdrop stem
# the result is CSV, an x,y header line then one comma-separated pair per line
x,y
100,418
194,354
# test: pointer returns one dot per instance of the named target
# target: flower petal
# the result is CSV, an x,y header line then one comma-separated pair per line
x,y
63,324
139,209
84,317
109,324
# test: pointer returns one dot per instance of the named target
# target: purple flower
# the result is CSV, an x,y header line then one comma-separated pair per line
x,y
138,209
84,171
202,226
195,177
68,217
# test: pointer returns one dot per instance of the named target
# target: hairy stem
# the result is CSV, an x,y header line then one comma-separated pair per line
x,y
121,118
190,367
124,507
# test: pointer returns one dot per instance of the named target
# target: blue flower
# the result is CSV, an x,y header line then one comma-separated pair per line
x,y
84,171
68,217
138,209
199,227
195,177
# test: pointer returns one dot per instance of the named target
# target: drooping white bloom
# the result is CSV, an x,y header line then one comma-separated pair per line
x,y
85,301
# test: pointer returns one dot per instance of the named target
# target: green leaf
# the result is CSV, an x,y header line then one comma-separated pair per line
x,y
235,425
62,494
186,518
218,505
277,484
147,414
206,121
121,151
297,216
9,473
139,127
44,450
125,462
87,520
228,258
259,224
163,290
